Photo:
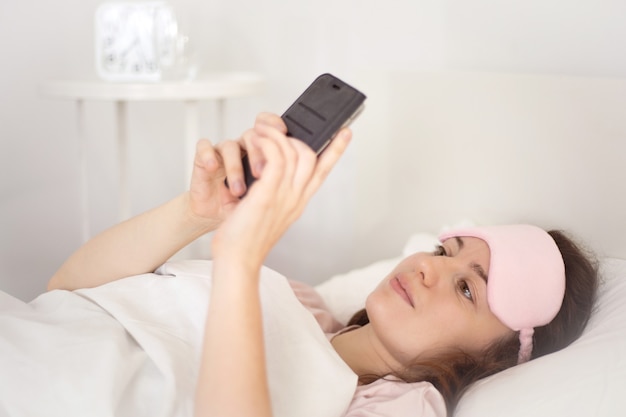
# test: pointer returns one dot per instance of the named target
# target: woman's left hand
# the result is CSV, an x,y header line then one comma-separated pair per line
x,y
211,201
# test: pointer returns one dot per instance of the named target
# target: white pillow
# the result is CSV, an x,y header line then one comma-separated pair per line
x,y
588,378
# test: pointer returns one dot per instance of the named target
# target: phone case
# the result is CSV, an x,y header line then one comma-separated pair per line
x,y
326,106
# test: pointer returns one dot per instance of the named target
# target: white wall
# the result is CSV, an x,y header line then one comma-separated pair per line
x,y
290,43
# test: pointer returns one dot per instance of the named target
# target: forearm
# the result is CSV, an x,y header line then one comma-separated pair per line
x,y
136,246
233,376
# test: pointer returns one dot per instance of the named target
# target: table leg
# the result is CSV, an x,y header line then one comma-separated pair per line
x,y
84,182
197,249
219,119
122,152
191,137
192,134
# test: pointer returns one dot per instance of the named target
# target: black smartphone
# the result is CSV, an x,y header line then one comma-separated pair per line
x,y
325,107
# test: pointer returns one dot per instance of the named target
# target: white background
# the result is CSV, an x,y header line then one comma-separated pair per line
x,y
289,42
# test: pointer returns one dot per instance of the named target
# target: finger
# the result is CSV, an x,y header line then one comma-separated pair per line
x,y
205,167
270,183
206,170
205,158
255,156
306,163
256,159
327,160
285,145
230,152
272,119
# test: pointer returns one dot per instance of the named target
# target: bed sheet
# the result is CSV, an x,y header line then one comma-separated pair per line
x,y
132,348
62,355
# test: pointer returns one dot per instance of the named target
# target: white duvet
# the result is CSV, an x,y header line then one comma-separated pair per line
x,y
132,348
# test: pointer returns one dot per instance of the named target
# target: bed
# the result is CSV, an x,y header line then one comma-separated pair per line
x,y
451,149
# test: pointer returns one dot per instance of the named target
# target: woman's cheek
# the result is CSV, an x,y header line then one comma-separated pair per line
x,y
396,331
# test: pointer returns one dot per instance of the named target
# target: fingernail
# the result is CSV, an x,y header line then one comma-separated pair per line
x,y
238,187
210,164
259,167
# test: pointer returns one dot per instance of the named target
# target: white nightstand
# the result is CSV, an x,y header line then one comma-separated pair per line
x,y
218,87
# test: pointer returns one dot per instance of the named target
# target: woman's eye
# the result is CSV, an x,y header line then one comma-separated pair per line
x,y
465,290
440,251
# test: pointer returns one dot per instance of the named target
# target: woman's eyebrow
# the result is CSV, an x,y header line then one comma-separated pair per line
x,y
480,271
475,267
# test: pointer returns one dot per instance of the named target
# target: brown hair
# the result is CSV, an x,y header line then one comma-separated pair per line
x,y
453,371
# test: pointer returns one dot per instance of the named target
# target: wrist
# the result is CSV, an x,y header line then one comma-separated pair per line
x,y
232,253
235,271
203,224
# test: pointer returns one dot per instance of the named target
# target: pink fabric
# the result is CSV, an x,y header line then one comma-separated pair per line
x,y
396,399
384,397
526,277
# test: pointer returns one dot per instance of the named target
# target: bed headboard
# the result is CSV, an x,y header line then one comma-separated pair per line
x,y
436,148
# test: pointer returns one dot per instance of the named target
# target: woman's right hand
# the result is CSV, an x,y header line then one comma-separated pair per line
x,y
289,173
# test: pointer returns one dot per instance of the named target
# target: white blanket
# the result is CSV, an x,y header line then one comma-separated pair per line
x,y
132,348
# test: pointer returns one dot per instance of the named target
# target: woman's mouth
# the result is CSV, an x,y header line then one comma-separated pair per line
x,y
399,288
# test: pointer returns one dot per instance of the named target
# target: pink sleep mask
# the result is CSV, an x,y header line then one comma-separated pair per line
x,y
526,281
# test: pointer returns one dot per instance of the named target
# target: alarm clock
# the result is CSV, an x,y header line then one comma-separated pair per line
x,y
134,41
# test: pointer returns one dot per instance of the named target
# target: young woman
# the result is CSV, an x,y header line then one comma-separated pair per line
x,y
487,299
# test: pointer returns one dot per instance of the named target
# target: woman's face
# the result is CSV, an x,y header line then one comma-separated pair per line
x,y
435,301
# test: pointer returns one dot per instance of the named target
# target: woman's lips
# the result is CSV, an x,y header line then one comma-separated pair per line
x,y
399,288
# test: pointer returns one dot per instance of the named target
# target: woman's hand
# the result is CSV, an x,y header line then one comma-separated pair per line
x,y
210,199
289,174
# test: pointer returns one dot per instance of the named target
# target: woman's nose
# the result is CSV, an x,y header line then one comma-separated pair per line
x,y
430,270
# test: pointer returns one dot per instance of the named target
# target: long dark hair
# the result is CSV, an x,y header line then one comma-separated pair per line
x,y
453,371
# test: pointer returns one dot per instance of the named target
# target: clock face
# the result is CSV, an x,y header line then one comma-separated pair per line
x,y
134,40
